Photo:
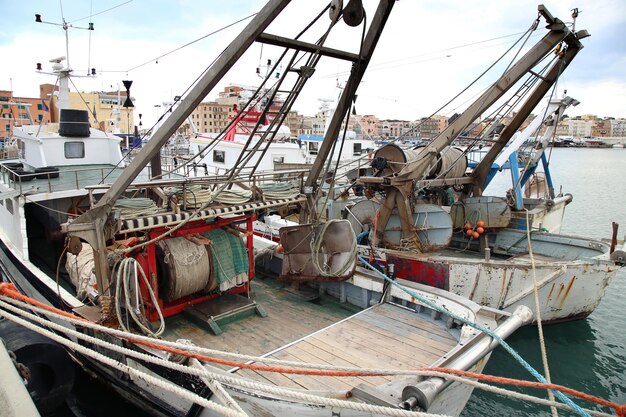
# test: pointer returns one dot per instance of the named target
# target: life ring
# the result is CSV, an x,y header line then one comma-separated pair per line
x,y
47,172
22,175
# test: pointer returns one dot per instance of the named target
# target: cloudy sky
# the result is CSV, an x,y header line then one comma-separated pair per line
x,y
429,51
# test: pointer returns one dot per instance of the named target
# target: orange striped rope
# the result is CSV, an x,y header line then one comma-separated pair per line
x,y
9,290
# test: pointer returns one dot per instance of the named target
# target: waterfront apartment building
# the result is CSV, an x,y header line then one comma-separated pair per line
x,y
428,127
18,111
618,127
396,128
367,125
212,117
105,109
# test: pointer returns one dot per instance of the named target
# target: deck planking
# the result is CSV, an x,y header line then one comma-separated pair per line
x,y
289,318
366,340
385,336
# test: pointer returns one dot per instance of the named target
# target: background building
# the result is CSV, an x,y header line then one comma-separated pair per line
x,y
18,111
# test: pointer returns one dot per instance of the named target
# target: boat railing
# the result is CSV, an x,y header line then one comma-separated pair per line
x,y
242,180
61,180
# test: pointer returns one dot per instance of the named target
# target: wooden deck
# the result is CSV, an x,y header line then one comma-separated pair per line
x,y
384,336
323,331
289,318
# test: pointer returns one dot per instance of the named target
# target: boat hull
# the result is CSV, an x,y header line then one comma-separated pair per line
x,y
566,290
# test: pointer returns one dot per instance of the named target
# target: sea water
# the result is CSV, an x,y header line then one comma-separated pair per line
x,y
588,355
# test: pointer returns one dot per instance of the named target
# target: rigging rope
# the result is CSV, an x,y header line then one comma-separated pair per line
x,y
183,393
456,375
482,328
542,342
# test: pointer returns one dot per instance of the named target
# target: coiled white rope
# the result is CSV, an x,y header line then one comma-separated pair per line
x,y
122,287
279,190
238,381
316,247
135,207
195,196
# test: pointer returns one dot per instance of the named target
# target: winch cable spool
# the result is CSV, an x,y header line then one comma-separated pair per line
x,y
126,267
10,300
185,267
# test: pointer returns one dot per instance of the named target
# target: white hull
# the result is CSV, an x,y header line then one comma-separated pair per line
x,y
568,289
223,156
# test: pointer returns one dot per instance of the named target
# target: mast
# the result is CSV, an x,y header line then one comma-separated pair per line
x,y
479,174
98,225
345,100
401,185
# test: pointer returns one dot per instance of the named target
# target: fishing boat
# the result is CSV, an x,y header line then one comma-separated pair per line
x,y
255,119
147,278
427,220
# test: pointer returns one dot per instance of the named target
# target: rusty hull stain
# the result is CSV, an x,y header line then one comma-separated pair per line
x,y
569,287
550,294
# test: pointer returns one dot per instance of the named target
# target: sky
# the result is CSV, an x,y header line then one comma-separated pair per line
x,y
429,50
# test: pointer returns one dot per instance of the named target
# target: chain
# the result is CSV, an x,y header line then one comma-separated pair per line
x,y
21,368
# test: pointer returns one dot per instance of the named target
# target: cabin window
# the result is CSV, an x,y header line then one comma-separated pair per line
x,y
357,149
313,146
74,150
219,156
278,159
9,204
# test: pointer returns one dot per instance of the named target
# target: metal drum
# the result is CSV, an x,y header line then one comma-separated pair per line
x,y
432,223
450,163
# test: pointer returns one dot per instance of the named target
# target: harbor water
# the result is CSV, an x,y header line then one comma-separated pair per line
x,y
588,355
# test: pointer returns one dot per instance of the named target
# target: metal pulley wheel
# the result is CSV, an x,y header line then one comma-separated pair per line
x,y
334,11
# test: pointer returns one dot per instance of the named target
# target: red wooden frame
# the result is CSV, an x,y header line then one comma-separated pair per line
x,y
147,260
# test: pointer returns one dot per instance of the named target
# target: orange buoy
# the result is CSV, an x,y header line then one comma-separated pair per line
x,y
481,223
469,232
468,225
475,235
480,230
